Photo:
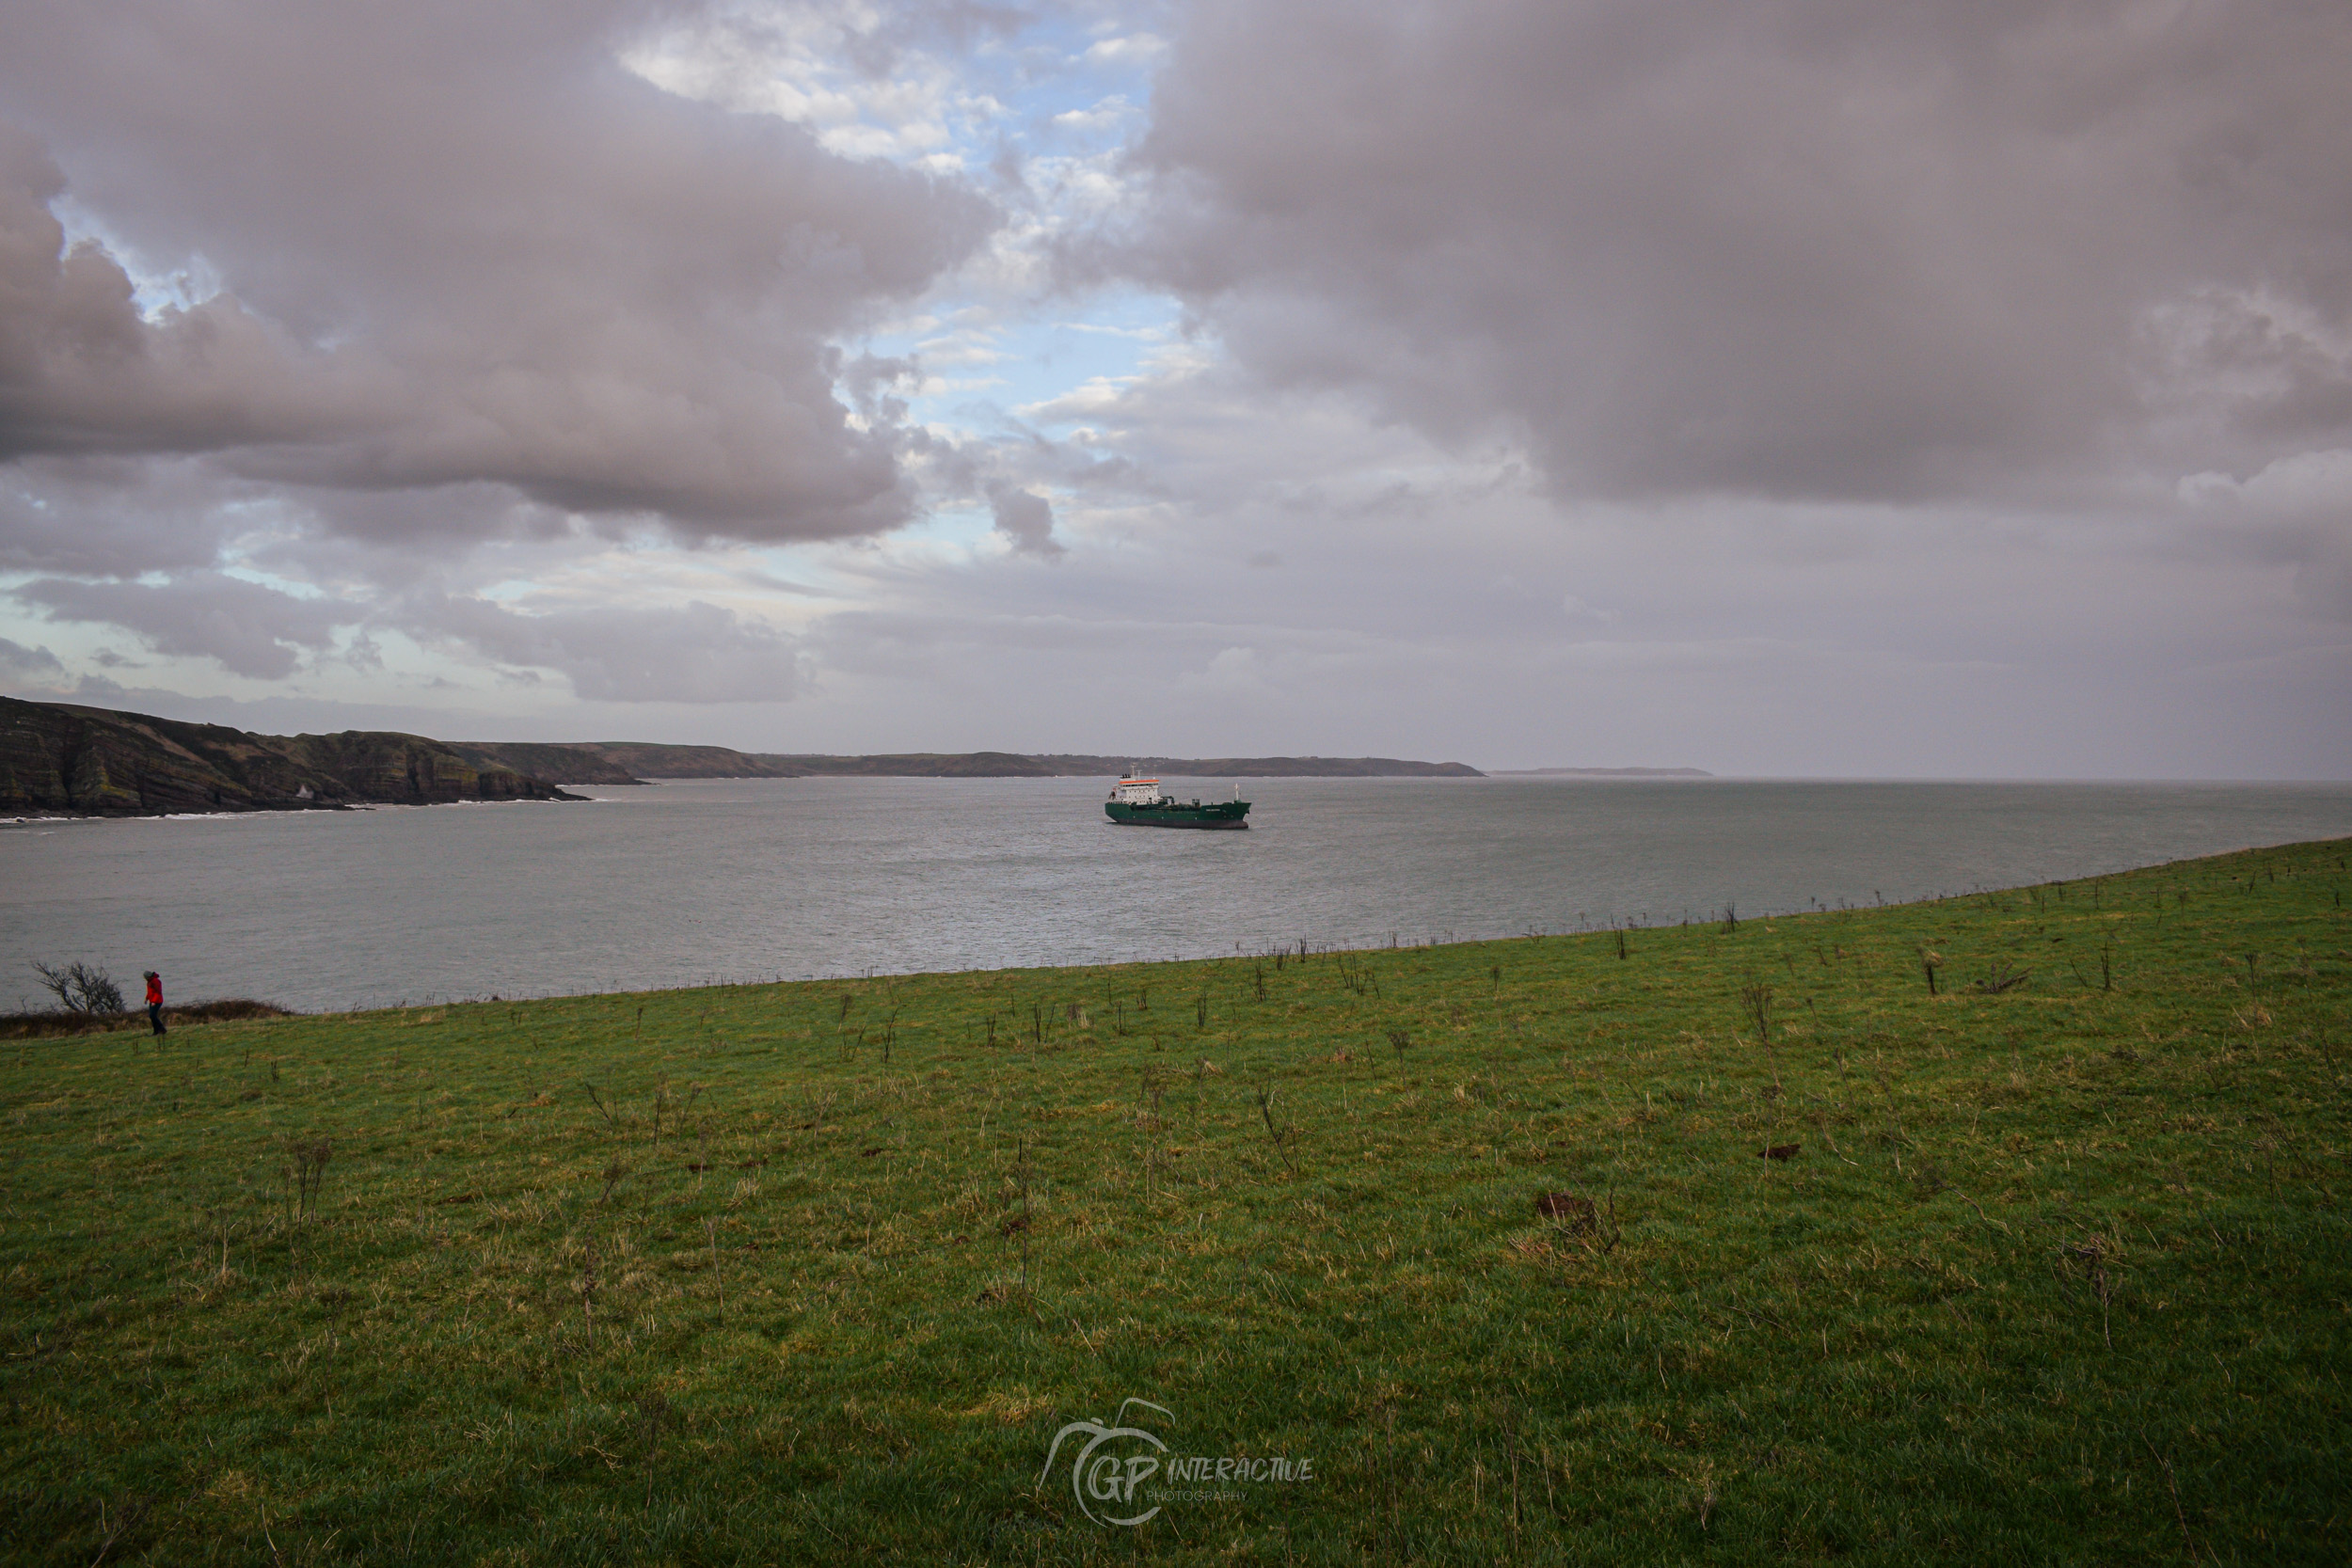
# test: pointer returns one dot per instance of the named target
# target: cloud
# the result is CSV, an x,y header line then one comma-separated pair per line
x,y
82,370
117,516
870,80
1229,670
1844,251
1135,47
21,663
247,628
1782,387
2297,510
1443,605
2312,484
460,247
693,653
1025,517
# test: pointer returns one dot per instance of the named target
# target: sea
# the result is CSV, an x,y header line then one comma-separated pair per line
x,y
693,882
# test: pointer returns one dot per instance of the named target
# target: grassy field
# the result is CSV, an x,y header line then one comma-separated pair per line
x,y
2054,1270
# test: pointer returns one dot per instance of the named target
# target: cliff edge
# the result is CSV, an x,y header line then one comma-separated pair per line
x,y
62,759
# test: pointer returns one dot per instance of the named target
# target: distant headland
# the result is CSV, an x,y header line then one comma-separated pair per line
x,y
63,759
1600,772
612,762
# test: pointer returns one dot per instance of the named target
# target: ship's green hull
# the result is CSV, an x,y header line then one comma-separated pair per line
x,y
1177,814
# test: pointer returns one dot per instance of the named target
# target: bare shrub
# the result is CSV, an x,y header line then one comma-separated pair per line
x,y
80,987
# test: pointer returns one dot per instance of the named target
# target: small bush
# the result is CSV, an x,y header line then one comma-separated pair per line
x,y
80,987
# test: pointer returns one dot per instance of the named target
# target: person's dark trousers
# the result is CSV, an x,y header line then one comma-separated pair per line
x,y
155,1017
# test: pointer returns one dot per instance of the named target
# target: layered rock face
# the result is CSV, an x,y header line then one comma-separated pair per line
x,y
84,761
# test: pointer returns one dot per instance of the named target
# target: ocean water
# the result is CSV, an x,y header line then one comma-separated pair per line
x,y
689,882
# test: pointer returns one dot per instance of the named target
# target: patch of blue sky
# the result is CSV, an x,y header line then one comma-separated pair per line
x,y
939,101
957,532
1110,342
156,286
1058,100
979,366
1078,93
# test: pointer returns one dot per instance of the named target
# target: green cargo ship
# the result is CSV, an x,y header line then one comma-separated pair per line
x,y
1138,803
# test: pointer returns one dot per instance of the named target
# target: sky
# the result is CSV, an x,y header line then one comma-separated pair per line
x,y
1790,388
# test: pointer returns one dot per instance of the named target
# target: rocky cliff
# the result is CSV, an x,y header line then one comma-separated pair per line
x,y
86,761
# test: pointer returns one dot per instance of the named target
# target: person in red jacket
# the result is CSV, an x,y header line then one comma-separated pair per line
x,y
155,1001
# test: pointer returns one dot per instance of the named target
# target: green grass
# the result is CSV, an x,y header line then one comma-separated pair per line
x,y
2060,1271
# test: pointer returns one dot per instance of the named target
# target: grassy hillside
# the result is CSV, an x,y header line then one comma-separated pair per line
x,y
2057,1269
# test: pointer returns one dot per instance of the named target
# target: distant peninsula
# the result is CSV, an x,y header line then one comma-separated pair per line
x,y
67,760
613,762
1600,772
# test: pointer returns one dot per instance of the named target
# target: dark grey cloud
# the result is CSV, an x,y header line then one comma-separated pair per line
x,y
81,370
1025,517
247,628
117,516
460,247
1796,249
693,653
19,663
